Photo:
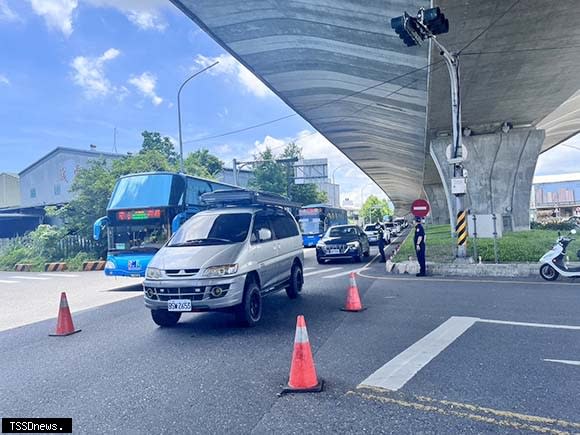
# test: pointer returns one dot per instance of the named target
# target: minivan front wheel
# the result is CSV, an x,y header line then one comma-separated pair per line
x,y
165,318
296,282
250,311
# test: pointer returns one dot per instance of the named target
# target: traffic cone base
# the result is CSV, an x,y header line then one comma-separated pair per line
x,y
316,389
64,323
303,378
353,311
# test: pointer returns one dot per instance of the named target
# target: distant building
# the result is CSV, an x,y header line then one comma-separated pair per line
x,y
244,176
315,171
555,196
9,190
48,180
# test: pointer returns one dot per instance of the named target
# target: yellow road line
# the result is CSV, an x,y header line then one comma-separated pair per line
x,y
476,413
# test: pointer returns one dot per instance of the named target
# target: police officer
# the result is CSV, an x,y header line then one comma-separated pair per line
x,y
381,240
419,240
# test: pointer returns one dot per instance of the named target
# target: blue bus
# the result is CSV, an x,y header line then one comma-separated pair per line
x,y
143,212
315,219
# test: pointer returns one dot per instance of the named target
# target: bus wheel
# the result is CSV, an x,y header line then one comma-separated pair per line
x,y
165,318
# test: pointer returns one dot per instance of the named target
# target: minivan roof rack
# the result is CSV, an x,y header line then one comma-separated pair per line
x,y
245,197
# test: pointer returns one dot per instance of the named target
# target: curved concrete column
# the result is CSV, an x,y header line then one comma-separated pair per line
x,y
500,168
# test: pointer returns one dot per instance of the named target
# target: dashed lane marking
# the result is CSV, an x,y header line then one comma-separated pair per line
x,y
564,361
35,278
321,271
501,418
58,275
5,281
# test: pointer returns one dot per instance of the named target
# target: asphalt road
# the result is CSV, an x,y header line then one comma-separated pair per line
x,y
123,374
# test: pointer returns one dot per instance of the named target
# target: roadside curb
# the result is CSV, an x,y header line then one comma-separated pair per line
x,y
449,269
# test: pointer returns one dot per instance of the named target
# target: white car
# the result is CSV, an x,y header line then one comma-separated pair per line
x,y
372,233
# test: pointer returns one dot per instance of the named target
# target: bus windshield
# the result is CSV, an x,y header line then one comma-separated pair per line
x,y
146,190
138,237
311,226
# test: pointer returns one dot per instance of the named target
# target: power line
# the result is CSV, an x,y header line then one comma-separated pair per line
x,y
272,121
493,23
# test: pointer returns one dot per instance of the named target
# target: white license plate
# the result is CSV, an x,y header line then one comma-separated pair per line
x,y
335,251
178,305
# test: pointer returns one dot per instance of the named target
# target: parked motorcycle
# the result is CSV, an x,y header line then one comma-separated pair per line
x,y
553,264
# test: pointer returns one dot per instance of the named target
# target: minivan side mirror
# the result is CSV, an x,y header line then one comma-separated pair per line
x,y
264,234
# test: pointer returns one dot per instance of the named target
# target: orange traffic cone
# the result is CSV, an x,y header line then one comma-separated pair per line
x,y
353,302
64,324
302,371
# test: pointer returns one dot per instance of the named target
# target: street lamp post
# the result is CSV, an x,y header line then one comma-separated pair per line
x,y
337,168
179,111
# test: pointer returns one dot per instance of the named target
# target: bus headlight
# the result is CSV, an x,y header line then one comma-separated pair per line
x,y
110,265
223,270
153,273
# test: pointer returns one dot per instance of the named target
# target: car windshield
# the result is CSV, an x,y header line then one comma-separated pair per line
x,y
344,232
371,228
213,229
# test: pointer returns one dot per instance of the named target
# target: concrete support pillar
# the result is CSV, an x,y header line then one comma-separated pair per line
x,y
500,168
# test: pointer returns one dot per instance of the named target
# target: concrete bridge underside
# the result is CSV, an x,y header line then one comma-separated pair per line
x,y
341,67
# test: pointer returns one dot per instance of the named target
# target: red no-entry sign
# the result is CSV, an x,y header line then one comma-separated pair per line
x,y
420,208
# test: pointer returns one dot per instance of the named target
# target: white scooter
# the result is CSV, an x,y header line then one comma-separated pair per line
x,y
553,261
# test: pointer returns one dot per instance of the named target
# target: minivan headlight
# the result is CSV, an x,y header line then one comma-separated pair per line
x,y
153,273
223,270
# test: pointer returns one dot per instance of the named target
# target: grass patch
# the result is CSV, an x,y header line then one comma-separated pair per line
x,y
519,247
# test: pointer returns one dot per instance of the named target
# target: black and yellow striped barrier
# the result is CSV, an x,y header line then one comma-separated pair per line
x,y
23,267
461,228
93,265
55,267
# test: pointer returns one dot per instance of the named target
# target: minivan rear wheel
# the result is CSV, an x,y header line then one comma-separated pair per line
x,y
165,318
296,282
249,312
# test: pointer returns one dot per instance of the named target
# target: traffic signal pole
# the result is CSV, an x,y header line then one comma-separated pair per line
x,y
452,62
414,30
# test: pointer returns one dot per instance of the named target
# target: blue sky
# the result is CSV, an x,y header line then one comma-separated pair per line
x,y
73,70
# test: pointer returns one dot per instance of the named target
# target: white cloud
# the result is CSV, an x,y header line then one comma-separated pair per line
x,y
7,14
4,80
89,74
145,14
56,13
228,66
562,159
145,83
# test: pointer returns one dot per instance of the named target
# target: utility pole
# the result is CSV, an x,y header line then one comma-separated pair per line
x,y
413,31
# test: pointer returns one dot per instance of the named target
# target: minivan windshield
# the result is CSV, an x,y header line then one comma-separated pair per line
x,y
213,229
344,232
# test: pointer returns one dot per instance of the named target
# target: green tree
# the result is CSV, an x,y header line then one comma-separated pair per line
x,y
269,175
203,164
307,194
291,150
374,209
152,141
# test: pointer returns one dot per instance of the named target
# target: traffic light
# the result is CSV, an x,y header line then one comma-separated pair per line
x,y
405,28
435,21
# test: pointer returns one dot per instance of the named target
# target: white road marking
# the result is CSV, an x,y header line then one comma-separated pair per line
x,y
58,274
564,361
342,274
309,268
322,271
533,325
5,281
398,371
36,278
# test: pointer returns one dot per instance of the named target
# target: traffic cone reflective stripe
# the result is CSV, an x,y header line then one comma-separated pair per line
x,y
64,323
302,370
353,302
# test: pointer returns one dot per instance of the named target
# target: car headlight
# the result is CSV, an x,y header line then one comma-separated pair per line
x,y
110,265
355,244
320,245
223,270
153,273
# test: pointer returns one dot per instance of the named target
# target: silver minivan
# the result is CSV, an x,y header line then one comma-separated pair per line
x,y
225,259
